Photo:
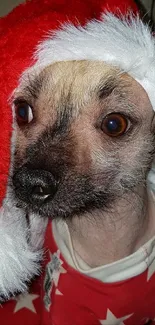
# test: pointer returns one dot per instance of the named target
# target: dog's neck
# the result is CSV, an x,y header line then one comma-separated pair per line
x,y
106,237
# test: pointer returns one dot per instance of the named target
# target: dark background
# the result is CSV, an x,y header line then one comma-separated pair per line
x,y
147,6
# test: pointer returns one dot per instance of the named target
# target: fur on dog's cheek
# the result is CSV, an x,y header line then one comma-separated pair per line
x,y
79,193
96,185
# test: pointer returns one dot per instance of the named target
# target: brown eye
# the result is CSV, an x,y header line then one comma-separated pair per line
x,y
24,113
114,124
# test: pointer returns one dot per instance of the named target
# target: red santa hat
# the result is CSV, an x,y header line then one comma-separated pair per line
x,y
125,43
20,33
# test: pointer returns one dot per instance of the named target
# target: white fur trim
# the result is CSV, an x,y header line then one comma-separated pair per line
x,y
123,42
18,261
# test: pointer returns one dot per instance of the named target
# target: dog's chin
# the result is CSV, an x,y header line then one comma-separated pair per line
x,y
75,194
69,205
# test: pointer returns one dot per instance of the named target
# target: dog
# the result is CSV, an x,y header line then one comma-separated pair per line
x,y
85,146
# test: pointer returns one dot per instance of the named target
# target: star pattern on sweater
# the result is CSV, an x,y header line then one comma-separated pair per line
x,y
111,319
58,292
25,301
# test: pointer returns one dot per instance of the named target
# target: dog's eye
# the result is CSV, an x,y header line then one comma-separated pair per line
x,y
24,112
115,124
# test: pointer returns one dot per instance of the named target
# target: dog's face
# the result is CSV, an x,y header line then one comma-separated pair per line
x,y
85,137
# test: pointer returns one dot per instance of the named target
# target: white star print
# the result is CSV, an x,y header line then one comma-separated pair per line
x,y
59,270
58,292
25,301
151,270
113,320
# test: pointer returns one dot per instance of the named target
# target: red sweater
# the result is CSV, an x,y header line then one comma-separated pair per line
x,y
67,297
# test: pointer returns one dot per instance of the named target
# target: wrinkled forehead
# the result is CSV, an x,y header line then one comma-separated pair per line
x,y
79,83
71,77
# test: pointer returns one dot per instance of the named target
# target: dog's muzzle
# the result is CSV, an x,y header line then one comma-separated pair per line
x,y
34,186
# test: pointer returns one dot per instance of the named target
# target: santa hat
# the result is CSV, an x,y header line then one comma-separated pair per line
x,y
20,33
124,42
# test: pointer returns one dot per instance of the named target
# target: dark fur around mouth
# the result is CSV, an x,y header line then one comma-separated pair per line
x,y
76,195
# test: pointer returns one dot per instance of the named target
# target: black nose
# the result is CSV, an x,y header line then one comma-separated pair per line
x,y
34,186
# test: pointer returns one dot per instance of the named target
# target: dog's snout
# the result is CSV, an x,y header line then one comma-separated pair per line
x,y
34,186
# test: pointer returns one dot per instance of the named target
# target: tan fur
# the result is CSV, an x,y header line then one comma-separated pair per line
x,y
76,82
